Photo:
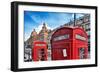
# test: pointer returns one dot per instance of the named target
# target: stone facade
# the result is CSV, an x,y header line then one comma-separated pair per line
x,y
41,36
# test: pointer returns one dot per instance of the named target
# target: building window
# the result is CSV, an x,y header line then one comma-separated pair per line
x,y
88,32
87,26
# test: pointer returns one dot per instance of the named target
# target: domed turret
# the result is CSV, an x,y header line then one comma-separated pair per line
x,y
34,33
43,34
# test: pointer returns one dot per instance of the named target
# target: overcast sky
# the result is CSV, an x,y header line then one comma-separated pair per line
x,y
35,20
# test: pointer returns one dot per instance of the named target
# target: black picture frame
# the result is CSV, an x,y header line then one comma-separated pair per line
x,y
14,35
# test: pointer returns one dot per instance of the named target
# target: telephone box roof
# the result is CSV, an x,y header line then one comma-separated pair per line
x,y
69,27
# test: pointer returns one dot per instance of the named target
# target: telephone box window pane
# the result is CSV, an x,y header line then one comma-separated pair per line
x,y
80,37
81,53
64,53
61,37
41,54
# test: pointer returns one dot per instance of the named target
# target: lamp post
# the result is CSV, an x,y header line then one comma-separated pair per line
x,y
74,19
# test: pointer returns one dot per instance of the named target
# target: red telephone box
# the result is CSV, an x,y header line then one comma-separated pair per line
x,y
69,43
39,51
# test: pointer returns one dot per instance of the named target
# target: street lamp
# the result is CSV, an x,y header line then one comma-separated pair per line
x,y
74,19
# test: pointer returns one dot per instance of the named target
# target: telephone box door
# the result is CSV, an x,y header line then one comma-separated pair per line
x,y
61,54
41,54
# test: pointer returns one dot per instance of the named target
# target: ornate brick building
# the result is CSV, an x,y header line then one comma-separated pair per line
x,y
33,37
41,36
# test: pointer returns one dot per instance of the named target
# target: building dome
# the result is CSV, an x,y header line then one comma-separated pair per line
x,y
34,33
43,34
